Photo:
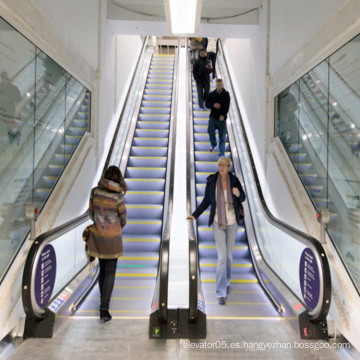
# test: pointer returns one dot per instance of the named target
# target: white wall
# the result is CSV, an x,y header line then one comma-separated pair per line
x,y
76,34
301,34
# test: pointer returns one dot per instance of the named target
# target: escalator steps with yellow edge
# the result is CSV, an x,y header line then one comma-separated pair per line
x,y
246,299
145,177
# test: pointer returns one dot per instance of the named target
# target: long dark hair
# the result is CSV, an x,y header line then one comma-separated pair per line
x,y
113,173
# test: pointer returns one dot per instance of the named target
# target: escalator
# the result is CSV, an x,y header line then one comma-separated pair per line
x,y
246,298
78,125
145,177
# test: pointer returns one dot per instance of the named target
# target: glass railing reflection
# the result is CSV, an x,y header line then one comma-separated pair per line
x,y
318,124
44,113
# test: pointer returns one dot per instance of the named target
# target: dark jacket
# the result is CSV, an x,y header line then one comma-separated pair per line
x,y
200,72
210,197
107,210
223,98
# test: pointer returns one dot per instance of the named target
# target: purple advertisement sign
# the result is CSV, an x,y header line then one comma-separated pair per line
x,y
309,278
45,276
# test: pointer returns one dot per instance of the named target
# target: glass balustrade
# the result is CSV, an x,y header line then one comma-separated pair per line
x,y
44,112
317,121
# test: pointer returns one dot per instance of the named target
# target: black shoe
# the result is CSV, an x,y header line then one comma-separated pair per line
x,y
211,149
228,289
221,300
105,315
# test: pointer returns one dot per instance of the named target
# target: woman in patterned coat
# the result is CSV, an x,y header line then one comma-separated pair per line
x,y
108,211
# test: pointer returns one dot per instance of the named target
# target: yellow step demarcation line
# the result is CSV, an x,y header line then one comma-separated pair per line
x,y
237,281
156,96
207,162
154,108
145,122
213,247
156,84
203,173
159,93
140,240
135,275
156,76
201,134
233,265
159,79
200,126
157,102
153,130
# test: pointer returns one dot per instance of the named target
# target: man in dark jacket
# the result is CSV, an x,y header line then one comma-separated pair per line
x,y
218,102
201,71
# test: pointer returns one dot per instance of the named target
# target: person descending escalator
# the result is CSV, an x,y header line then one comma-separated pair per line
x,y
224,194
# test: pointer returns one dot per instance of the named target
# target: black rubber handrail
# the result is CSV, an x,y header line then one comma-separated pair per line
x,y
30,263
321,311
107,161
193,245
165,243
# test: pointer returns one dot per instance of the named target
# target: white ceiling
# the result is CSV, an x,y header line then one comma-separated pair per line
x,y
219,18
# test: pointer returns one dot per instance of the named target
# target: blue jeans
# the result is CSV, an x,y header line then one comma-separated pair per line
x,y
106,281
225,240
215,124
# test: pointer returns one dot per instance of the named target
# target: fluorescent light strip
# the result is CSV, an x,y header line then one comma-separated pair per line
x,y
183,13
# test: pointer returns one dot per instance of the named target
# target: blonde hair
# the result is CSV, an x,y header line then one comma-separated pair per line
x,y
225,159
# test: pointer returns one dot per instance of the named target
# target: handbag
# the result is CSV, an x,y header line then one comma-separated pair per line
x,y
85,237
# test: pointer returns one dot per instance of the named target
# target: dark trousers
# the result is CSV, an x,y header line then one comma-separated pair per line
x,y
106,281
212,56
203,91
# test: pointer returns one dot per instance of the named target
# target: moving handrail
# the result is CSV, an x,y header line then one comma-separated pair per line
x,y
32,309
322,308
194,275
161,299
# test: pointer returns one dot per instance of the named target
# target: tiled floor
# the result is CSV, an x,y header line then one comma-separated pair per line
x,y
88,339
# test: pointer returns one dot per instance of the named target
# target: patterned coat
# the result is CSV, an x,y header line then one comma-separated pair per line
x,y
108,211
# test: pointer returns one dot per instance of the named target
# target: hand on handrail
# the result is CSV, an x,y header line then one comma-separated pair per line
x,y
190,217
